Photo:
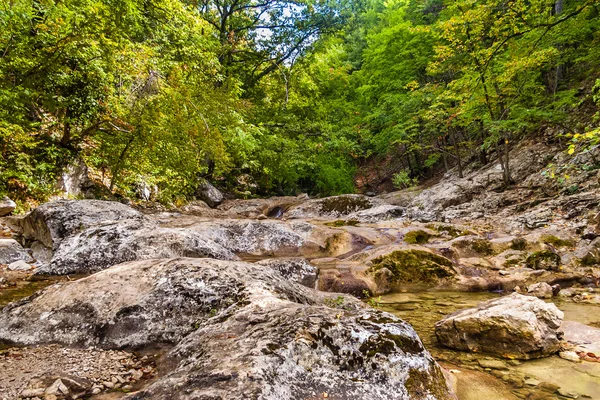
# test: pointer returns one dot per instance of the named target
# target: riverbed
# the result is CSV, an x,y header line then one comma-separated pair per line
x,y
544,378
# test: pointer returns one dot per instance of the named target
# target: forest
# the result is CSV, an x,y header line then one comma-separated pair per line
x,y
269,97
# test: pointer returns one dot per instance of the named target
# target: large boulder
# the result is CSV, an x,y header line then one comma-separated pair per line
x,y
50,223
6,206
208,193
240,331
11,251
104,245
514,326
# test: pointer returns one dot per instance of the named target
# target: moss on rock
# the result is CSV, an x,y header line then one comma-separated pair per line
x,y
556,241
417,237
414,266
544,259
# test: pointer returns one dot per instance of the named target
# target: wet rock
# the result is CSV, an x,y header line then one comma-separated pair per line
x,y
6,206
104,245
334,207
343,282
11,251
208,193
513,326
240,331
51,222
295,269
541,290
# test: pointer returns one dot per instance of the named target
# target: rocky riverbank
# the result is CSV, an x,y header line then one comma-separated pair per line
x,y
228,294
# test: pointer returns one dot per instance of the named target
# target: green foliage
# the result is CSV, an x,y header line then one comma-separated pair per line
x,y
298,95
402,180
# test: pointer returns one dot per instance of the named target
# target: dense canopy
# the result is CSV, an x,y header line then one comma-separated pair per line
x,y
323,96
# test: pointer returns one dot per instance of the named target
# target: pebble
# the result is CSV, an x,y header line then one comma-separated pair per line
x,y
493,364
569,355
570,395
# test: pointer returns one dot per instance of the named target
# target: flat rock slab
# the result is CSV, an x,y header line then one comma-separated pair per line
x,y
583,336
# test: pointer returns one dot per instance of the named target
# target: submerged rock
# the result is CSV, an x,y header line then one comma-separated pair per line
x,y
513,326
240,331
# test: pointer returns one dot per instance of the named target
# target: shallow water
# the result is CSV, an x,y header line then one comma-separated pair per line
x,y
422,310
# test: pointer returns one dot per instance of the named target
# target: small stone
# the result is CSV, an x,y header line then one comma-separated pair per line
x,y
109,385
570,395
549,387
493,364
513,363
128,387
569,355
58,387
19,265
96,390
32,392
531,382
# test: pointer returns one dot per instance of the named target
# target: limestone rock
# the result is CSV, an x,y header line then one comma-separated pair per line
x,y
51,222
208,193
19,265
382,212
6,206
541,290
513,326
11,251
105,245
333,207
295,269
240,331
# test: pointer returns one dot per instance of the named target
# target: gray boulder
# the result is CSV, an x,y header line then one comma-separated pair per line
x,y
6,206
50,223
208,193
295,269
111,243
513,326
240,331
11,251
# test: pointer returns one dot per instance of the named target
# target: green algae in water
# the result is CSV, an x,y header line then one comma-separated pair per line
x,y
25,289
414,266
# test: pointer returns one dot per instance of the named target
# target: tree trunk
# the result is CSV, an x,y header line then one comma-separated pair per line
x,y
457,151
